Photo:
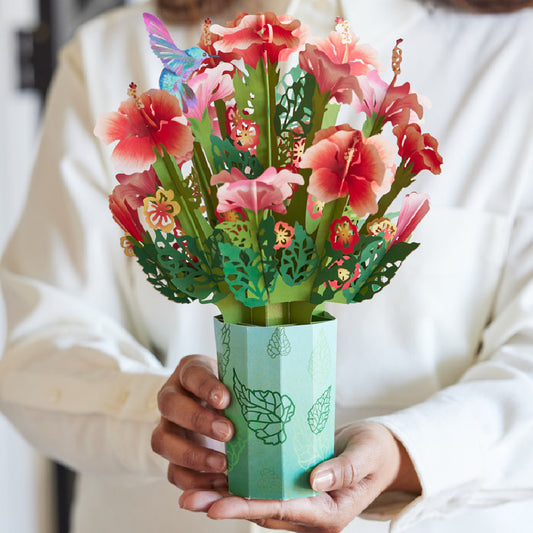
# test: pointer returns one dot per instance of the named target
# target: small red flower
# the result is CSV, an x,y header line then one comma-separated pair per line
x,y
284,235
343,235
246,135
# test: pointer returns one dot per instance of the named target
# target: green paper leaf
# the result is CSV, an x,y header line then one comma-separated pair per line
x,y
159,277
244,275
299,261
382,272
317,416
256,92
266,412
187,265
238,233
295,105
266,239
226,156
279,344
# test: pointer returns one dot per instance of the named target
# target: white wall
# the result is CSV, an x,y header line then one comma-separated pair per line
x,y
26,491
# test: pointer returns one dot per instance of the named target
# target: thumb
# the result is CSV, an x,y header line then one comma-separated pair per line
x,y
359,459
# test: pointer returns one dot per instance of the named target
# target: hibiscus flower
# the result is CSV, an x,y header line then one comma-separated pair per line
x,y
139,125
419,151
125,215
415,207
341,47
331,77
254,36
160,210
208,86
268,191
345,163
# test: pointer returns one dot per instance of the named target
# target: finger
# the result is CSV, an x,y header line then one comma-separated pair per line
x,y
200,500
174,448
186,412
187,479
313,510
197,374
271,523
357,461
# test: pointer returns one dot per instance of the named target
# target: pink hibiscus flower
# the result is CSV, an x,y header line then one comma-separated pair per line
x,y
331,77
417,149
125,215
345,163
208,86
254,36
342,47
415,207
396,105
135,187
142,123
268,191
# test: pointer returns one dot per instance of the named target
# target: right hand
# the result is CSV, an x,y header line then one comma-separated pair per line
x,y
191,425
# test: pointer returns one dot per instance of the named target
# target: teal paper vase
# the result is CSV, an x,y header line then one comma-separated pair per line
x,y
282,385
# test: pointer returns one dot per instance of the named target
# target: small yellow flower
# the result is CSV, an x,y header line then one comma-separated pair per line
x,y
161,209
127,246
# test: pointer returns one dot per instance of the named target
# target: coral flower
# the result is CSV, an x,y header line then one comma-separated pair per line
x,y
418,150
345,163
331,77
142,123
268,191
345,277
246,135
252,36
341,47
284,235
160,210
344,235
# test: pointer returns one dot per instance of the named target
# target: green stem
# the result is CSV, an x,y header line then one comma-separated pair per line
x,y
207,190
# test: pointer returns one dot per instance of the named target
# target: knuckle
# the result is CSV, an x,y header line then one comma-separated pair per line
x,y
192,459
348,472
156,440
200,419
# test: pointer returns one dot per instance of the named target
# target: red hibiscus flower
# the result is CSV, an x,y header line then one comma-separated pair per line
x,y
125,215
344,235
415,207
345,163
135,187
418,150
331,77
153,119
253,36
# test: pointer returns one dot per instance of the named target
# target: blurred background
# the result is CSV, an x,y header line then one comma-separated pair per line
x,y
34,493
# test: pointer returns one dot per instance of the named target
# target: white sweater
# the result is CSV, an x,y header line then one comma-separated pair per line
x,y
443,356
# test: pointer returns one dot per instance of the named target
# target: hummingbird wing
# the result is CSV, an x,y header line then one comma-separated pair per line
x,y
163,46
171,83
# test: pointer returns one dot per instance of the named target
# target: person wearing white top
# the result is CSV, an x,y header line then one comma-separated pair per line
x,y
440,365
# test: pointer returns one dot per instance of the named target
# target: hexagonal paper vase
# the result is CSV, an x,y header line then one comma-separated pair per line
x,y
282,384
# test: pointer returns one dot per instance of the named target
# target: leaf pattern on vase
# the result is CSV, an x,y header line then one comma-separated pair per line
x,y
279,344
223,356
320,362
311,450
317,416
266,412
235,447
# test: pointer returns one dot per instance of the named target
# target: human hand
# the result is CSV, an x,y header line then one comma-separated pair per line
x,y
370,462
191,425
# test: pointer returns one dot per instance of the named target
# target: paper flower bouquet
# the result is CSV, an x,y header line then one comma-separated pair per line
x,y
240,187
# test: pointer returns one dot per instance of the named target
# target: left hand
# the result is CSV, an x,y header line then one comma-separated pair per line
x,y
370,462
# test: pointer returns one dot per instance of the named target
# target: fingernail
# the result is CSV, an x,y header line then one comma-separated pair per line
x,y
323,480
216,463
221,429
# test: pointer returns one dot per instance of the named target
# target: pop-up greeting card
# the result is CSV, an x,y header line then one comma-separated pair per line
x,y
239,186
